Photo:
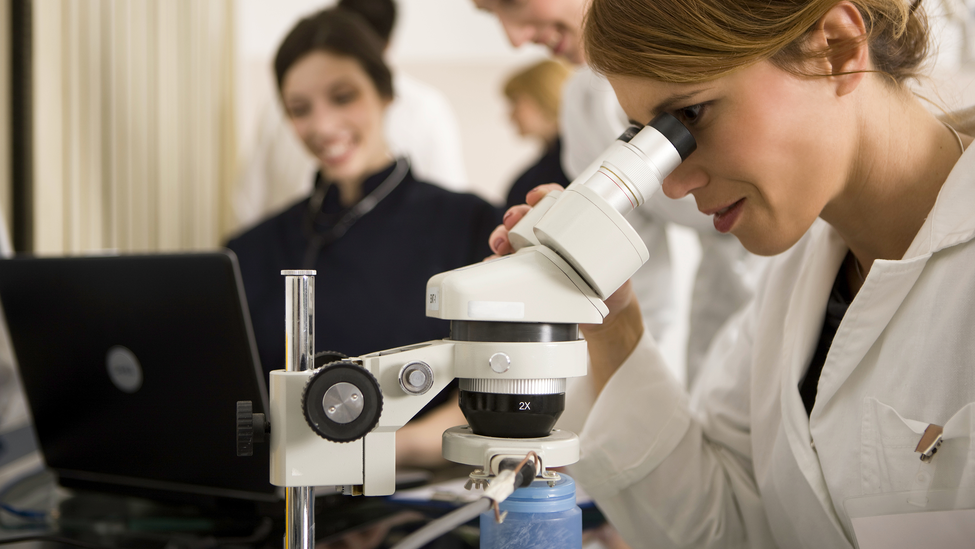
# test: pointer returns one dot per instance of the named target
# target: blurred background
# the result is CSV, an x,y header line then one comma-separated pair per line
x,y
126,123
129,125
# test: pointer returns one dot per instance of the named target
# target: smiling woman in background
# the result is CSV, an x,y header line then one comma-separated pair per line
x,y
373,233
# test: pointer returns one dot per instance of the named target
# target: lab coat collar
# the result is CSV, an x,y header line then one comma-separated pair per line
x,y
951,221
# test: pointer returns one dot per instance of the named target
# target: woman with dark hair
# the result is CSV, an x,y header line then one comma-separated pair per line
x,y
373,233
843,414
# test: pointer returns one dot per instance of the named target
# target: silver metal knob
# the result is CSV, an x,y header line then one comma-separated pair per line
x,y
343,402
416,378
500,363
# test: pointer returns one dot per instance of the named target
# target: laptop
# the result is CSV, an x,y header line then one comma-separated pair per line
x,y
132,366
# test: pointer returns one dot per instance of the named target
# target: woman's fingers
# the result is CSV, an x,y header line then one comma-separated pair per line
x,y
499,242
540,191
514,215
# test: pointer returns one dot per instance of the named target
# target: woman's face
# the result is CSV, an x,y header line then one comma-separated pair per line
x,y
555,24
337,112
773,149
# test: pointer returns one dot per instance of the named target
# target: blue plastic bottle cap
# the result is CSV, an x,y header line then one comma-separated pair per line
x,y
542,498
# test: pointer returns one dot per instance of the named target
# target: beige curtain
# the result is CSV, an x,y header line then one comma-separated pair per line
x,y
5,166
133,124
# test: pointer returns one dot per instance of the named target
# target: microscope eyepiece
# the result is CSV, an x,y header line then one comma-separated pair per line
x,y
675,132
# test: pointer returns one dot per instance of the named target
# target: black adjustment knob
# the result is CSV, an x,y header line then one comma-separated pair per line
x,y
251,428
327,357
342,402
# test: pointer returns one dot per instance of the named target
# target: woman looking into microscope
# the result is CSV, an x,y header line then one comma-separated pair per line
x,y
858,347
373,233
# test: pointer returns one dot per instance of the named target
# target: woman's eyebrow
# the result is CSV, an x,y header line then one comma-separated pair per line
x,y
674,100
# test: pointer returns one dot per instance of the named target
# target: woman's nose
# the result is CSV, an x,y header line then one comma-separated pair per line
x,y
684,179
518,33
322,120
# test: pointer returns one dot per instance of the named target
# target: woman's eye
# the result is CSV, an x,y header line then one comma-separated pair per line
x,y
691,114
344,98
298,111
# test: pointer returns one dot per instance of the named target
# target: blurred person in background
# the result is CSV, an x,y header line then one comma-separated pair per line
x,y
373,232
534,94
419,124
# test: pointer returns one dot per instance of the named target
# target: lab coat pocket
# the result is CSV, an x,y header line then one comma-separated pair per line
x,y
907,502
889,462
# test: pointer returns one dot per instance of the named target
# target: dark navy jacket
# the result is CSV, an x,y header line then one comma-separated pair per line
x,y
548,169
371,282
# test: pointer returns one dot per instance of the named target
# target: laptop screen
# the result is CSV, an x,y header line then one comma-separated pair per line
x,y
132,366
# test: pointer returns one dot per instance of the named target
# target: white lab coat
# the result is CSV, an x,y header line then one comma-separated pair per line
x,y
420,125
739,464
591,119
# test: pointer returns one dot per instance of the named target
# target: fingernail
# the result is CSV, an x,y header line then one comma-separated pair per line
x,y
507,214
498,242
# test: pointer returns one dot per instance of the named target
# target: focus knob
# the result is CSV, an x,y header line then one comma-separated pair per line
x,y
323,358
251,428
342,402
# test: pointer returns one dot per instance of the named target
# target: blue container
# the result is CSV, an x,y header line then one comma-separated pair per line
x,y
539,517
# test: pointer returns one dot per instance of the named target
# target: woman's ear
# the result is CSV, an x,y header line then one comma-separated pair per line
x,y
842,35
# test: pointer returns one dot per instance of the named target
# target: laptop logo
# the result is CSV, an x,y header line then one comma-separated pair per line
x,y
124,369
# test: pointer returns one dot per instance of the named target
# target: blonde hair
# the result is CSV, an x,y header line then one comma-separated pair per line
x,y
542,82
692,41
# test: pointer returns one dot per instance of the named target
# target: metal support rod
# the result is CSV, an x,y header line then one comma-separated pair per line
x,y
299,312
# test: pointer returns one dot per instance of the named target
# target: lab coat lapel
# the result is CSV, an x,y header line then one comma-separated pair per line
x,y
885,288
802,327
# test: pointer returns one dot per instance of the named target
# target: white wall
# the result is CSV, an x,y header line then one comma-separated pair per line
x,y
446,43
951,81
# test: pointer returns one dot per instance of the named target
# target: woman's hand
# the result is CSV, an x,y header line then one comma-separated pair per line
x,y
611,342
498,240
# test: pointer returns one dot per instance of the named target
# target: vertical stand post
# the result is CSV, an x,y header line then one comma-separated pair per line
x,y
299,322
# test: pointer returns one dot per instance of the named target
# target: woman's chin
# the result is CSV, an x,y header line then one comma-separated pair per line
x,y
763,245
342,169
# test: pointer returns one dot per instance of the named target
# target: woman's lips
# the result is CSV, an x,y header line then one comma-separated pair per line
x,y
725,218
557,44
336,154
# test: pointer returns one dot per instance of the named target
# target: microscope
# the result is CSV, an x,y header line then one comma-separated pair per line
x,y
514,341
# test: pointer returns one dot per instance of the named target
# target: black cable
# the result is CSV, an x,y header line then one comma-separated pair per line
x,y
260,533
53,538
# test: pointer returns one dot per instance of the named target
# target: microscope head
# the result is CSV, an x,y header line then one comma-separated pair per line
x,y
514,320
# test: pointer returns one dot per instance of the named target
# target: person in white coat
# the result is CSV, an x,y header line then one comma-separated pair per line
x,y
590,120
843,412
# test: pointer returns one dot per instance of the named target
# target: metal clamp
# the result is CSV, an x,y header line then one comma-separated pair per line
x,y
930,442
